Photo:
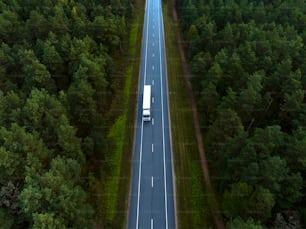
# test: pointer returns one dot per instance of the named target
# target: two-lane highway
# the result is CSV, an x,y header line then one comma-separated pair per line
x,y
152,199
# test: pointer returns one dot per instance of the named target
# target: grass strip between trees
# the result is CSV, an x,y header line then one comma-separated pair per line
x,y
116,185
192,201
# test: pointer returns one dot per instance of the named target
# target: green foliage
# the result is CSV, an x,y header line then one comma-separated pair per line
x,y
238,223
47,221
10,111
82,105
51,58
242,201
35,73
227,124
105,31
6,219
9,197
56,76
235,201
9,26
57,191
261,204
248,75
67,140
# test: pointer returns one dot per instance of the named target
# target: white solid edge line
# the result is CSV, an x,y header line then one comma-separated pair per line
x,y
170,135
141,139
163,124
139,176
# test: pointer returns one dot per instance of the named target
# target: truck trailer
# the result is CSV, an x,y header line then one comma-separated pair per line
x,y
146,105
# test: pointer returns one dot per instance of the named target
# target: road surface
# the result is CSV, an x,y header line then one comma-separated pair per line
x,y
152,199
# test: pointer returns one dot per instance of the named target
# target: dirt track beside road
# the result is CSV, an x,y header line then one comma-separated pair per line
x,y
214,206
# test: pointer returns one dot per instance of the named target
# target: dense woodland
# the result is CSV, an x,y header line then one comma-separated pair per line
x,y
57,80
248,66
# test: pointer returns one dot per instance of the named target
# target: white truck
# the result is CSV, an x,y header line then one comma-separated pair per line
x,y
146,105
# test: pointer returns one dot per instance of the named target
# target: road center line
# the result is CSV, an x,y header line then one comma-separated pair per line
x,y
152,147
152,121
152,223
152,183
152,99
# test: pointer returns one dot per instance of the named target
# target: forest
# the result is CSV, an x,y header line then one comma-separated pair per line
x,y
248,70
58,78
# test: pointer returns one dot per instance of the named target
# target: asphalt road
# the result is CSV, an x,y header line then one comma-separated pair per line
x,y
152,199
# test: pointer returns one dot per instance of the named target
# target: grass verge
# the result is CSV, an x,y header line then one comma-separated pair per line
x,y
192,202
114,197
